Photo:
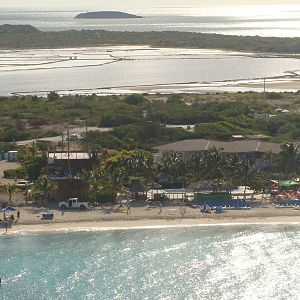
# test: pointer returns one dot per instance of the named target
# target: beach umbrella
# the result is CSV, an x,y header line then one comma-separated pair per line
x,y
7,208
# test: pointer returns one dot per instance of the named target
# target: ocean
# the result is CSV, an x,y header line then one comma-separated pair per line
x,y
263,20
210,262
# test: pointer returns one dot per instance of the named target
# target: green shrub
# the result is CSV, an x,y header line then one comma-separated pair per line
x,y
106,196
15,173
134,99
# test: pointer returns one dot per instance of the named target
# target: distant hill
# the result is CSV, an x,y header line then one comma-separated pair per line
x,y
106,15
26,36
6,28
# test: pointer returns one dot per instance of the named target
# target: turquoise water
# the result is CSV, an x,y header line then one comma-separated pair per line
x,y
231,262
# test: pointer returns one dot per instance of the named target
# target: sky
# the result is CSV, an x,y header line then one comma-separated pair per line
x,y
115,4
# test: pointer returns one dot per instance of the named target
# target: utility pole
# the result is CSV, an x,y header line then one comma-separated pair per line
x,y
33,161
266,127
62,142
68,137
277,127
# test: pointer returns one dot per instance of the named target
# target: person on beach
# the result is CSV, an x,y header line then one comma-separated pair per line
x,y
128,208
160,207
6,227
182,211
18,214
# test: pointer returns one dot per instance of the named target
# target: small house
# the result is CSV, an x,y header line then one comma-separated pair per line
x,y
12,156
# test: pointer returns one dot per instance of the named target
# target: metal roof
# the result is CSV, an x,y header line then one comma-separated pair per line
x,y
229,147
64,155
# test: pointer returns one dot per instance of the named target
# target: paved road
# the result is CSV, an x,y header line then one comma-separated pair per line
x,y
56,139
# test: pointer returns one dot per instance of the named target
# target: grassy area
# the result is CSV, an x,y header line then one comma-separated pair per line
x,y
26,36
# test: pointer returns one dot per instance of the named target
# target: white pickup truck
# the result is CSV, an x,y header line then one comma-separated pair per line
x,y
73,203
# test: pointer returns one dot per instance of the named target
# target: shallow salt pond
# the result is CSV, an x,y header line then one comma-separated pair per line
x,y
106,68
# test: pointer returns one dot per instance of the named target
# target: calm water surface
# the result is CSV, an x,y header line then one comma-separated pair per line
x,y
38,71
231,262
32,71
263,20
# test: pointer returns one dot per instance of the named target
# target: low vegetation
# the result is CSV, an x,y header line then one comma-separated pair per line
x,y
143,121
26,36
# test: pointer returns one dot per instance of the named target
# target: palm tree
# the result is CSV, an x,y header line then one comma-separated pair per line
x,y
45,186
84,177
172,163
10,189
214,163
268,157
116,167
246,174
126,164
231,169
97,180
94,187
139,163
196,164
288,160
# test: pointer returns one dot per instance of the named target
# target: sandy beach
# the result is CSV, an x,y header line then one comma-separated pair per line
x,y
156,223
275,85
106,218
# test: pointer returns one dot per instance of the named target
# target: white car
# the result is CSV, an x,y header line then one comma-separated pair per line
x,y
73,203
23,183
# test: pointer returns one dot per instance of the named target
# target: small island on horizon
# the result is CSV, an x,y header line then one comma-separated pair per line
x,y
107,15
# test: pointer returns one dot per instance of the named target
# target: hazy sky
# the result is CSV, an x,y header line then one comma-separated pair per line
x,y
112,4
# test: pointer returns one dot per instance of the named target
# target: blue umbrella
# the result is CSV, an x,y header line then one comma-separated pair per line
x,y
7,208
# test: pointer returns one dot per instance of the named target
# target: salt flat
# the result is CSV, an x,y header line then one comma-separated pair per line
x,y
142,69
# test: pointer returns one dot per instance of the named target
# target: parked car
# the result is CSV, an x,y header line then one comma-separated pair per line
x,y
73,137
23,183
73,203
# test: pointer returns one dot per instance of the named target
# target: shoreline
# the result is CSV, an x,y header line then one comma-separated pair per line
x,y
287,81
289,86
151,224
273,84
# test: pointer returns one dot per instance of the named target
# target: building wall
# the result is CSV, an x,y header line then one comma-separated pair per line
x,y
77,165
